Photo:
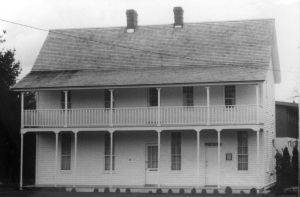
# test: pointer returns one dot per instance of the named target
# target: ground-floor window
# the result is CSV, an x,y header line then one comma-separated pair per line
x,y
107,152
66,151
242,150
175,151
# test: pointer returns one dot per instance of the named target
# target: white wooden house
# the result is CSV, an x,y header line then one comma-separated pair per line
x,y
180,105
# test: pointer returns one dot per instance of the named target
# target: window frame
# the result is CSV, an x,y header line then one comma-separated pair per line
x,y
188,96
107,99
69,101
177,162
107,153
152,98
67,166
230,96
242,155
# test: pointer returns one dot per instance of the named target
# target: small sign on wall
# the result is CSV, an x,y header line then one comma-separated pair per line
x,y
228,156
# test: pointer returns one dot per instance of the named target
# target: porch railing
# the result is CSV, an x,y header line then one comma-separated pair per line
x,y
218,114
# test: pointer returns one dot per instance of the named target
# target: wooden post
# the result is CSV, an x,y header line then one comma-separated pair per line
x,y
158,156
257,154
22,110
158,107
111,107
56,150
208,106
75,157
257,104
198,157
111,157
21,162
219,160
66,108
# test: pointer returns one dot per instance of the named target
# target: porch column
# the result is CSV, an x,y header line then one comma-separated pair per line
x,y
208,106
257,153
66,107
111,157
111,107
75,157
56,149
198,156
257,104
22,110
158,156
21,164
219,155
158,106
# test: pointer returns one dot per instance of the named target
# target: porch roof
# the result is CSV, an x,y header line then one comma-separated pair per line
x,y
158,54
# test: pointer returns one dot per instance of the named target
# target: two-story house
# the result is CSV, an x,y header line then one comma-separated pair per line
x,y
161,106
287,117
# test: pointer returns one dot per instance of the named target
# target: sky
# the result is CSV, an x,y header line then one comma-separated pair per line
x,y
63,14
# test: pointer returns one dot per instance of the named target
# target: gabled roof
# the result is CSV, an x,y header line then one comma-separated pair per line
x,y
161,54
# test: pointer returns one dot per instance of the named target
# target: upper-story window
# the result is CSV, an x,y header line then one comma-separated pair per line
x,y
188,96
230,97
68,100
107,99
152,97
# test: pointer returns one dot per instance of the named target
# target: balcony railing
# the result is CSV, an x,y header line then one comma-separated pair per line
x,y
143,116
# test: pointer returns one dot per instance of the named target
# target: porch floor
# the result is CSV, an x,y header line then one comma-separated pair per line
x,y
147,188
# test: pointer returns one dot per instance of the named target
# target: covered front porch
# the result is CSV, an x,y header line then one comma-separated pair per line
x,y
92,164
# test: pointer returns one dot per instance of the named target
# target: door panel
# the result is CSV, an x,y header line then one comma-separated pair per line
x,y
151,164
211,165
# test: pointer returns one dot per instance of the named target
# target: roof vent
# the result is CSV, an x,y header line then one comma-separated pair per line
x,y
131,20
178,16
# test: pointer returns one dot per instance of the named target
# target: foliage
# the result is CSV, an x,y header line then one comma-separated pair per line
x,y
193,191
203,192
253,191
106,190
128,191
216,192
181,191
170,191
228,191
291,190
73,190
295,167
158,191
242,193
96,190
118,191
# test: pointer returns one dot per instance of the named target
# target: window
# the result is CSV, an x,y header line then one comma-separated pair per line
x,y
188,96
176,151
152,97
229,95
107,99
242,150
66,152
63,100
107,152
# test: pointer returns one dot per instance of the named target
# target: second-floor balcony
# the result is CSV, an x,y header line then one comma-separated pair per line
x,y
143,116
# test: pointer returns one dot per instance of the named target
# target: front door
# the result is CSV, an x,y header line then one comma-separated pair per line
x,y
151,164
211,165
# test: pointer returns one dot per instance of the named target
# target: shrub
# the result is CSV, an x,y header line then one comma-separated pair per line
x,y
253,191
181,191
106,190
228,191
170,191
193,191
242,193
128,191
96,190
118,191
203,192
215,192
150,192
158,191
73,190
291,190
63,189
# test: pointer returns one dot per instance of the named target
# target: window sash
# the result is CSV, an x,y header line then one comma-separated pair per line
x,y
152,97
188,96
107,152
66,152
107,99
176,151
230,95
242,151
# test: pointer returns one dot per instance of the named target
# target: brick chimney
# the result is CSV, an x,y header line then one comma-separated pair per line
x,y
178,16
132,21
